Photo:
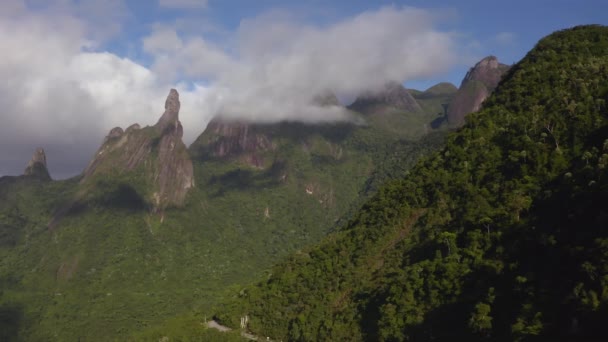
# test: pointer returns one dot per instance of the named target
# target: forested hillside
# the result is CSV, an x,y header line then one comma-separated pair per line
x,y
501,235
153,234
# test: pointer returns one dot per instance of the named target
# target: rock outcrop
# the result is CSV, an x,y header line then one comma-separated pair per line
x,y
156,155
169,121
37,165
393,95
246,141
174,173
477,85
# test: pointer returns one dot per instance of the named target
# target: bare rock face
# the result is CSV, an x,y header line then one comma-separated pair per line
x,y
154,154
393,95
226,138
174,173
477,85
170,118
37,165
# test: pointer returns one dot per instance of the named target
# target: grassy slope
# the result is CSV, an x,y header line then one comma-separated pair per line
x,y
501,235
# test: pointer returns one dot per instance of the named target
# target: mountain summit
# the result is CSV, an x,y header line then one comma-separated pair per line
x,y
477,85
37,165
392,94
157,153
170,118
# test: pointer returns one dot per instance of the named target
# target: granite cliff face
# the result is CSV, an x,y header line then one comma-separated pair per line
x,y
236,139
155,155
37,166
477,85
392,95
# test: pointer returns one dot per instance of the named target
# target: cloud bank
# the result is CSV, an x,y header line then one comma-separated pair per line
x,y
59,95
275,66
63,92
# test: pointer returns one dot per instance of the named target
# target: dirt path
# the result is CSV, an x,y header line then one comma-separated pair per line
x,y
215,325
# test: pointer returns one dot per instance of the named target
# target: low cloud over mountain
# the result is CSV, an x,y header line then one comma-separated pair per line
x,y
63,90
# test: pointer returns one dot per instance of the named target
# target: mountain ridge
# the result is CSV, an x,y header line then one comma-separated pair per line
x,y
158,152
465,244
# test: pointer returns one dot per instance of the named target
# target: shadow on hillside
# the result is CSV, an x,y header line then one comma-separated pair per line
x,y
11,320
246,179
122,196
112,196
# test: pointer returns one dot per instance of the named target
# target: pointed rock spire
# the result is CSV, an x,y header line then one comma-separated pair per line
x,y
37,165
170,118
168,171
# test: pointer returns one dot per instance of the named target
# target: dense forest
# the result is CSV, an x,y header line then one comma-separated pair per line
x,y
502,235
99,257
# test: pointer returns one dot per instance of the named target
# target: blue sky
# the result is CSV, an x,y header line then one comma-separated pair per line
x,y
74,69
505,29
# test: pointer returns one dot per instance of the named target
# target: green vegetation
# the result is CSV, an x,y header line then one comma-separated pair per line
x,y
93,260
501,235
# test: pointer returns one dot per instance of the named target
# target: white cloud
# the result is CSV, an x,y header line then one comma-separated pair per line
x,y
183,4
60,92
58,95
275,65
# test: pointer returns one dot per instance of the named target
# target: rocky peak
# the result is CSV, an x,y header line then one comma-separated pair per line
x,y
169,121
228,138
157,151
393,94
479,82
37,165
488,71
114,133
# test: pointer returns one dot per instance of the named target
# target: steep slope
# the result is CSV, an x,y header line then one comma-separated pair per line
x,y
37,166
394,110
153,159
132,242
501,235
476,86
393,95
434,101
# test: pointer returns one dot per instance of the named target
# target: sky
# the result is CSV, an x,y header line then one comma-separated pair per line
x,y
71,70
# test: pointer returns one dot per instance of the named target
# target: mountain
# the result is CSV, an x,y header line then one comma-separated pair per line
x,y
154,159
476,86
501,235
403,113
153,232
392,94
442,88
435,101
37,166
234,139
